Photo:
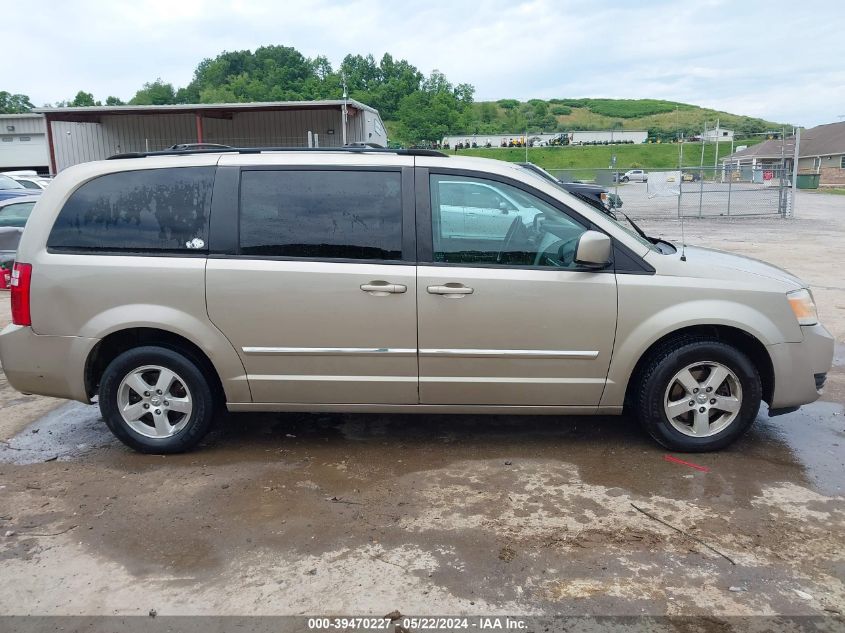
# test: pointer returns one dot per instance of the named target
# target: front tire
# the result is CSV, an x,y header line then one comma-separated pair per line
x,y
698,395
156,400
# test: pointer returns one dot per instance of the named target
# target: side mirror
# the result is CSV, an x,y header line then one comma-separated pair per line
x,y
504,207
593,250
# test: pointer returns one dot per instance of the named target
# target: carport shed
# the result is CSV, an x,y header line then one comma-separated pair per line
x,y
76,135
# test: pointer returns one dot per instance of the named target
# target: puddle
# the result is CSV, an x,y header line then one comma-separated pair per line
x,y
65,434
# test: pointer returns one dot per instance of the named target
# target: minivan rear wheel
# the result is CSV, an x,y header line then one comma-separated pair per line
x,y
156,400
698,395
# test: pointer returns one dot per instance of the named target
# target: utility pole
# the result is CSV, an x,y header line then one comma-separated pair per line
x,y
343,110
701,171
716,157
795,155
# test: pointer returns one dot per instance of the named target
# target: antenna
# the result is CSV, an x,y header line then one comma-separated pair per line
x,y
680,191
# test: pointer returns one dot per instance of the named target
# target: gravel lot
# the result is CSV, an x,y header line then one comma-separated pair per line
x,y
364,514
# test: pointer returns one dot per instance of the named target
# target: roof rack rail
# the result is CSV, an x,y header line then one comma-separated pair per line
x,y
183,150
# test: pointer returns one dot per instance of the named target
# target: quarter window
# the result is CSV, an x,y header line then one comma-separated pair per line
x,y
479,221
321,214
145,210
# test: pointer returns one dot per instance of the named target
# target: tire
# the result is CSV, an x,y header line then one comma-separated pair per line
x,y
185,406
625,179
701,426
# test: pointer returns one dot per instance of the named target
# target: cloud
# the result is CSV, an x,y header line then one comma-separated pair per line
x,y
746,58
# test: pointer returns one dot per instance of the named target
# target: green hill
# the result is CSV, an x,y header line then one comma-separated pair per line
x,y
645,155
662,119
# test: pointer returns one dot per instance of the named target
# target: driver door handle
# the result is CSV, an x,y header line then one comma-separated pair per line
x,y
382,288
454,290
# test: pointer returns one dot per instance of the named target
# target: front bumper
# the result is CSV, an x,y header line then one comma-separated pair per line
x,y
797,367
45,365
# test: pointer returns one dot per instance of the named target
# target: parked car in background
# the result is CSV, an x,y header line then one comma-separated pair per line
x,y
29,179
634,175
11,188
14,212
596,195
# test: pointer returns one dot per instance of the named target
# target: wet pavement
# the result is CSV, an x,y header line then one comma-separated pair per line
x,y
426,514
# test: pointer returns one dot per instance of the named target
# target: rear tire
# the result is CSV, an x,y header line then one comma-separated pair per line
x,y
156,400
697,395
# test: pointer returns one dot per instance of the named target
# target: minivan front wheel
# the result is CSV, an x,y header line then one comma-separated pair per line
x,y
156,400
698,395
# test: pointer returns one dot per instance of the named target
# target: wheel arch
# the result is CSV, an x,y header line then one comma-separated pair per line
x,y
115,343
742,340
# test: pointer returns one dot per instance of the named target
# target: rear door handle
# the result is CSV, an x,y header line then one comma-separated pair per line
x,y
454,290
382,288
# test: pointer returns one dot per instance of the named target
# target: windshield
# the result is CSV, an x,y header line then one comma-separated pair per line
x,y
9,183
625,224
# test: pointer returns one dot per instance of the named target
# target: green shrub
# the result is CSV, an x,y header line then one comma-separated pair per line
x,y
629,108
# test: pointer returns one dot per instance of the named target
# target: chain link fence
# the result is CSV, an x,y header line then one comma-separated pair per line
x,y
724,191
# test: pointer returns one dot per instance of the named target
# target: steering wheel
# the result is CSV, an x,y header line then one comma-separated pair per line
x,y
549,257
510,236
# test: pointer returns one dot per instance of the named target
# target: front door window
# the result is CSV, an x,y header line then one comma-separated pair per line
x,y
479,221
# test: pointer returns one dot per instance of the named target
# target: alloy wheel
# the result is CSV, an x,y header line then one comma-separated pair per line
x,y
703,399
154,401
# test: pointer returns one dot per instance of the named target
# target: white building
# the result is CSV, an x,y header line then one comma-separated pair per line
x,y
542,138
23,142
494,140
611,136
76,135
718,135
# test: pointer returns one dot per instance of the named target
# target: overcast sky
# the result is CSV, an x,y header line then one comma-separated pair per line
x,y
784,61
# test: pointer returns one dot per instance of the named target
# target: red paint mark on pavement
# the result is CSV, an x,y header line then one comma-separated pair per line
x,y
675,460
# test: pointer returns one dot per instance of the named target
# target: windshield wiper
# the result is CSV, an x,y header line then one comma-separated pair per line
x,y
639,231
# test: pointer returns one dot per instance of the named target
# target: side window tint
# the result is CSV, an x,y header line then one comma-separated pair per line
x,y
15,214
505,226
137,211
321,214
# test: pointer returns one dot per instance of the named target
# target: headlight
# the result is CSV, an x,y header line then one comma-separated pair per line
x,y
802,304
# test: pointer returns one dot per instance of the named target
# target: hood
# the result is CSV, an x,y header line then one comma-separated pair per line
x,y
5,194
708,262
582,187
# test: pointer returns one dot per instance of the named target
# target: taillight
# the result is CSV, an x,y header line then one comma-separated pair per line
x,y
21,280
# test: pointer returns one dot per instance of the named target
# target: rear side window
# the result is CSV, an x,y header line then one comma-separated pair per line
x,y
160,210
321,214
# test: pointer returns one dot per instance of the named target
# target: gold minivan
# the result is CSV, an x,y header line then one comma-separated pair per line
x,y
171,284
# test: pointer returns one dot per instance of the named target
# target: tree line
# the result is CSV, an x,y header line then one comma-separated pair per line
x,y
420,108
417,108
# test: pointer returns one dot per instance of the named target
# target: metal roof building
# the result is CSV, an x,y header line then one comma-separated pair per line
x,y
76,135
23,142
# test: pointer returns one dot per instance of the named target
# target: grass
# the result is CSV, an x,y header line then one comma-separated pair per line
x,y
649,156
836,191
